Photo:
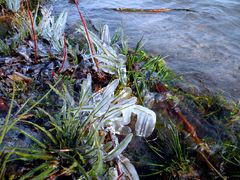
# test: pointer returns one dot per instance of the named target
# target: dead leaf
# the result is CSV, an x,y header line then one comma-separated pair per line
x,y
17,77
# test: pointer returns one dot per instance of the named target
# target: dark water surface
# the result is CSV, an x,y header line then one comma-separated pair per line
x,y
203,45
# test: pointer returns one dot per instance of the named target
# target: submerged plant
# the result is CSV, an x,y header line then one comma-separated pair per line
x,y
231,159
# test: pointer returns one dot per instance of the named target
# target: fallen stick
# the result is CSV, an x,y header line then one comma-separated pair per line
x,y
161,10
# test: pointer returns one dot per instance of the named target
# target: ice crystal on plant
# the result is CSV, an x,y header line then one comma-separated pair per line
x,y
13,5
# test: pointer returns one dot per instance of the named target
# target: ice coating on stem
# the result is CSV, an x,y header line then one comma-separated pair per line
x,y
120,148
52,30
105,36
127,168
146,120
110,61
13,5
117,111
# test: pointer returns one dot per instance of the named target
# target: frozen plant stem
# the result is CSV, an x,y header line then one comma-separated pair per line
x,y
87,34
34,37
64,55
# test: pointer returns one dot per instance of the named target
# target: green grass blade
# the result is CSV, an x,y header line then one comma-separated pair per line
x,y
5,126
35,170
27,157
42,129
45,174
21,108
53,121
56,91
31,137
82,171
70,169
35,104
4,163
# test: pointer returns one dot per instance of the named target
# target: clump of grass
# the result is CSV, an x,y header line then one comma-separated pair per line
x,y
4,157
10,122
71,149
81,139
211,106
231,159
172,153
145,71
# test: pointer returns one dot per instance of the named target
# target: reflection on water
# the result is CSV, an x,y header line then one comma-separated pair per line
x,y
204,45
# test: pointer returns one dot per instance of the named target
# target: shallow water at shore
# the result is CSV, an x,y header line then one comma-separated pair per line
x,y
203,45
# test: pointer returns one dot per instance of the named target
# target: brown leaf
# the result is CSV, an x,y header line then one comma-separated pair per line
x,y
16,76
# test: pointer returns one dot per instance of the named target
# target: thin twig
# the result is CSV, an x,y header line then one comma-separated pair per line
x,y
120,174
211,166
119,177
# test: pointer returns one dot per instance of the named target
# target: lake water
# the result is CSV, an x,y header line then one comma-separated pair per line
x,y
203,46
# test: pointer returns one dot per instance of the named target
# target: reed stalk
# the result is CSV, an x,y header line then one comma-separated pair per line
x,y
91,48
